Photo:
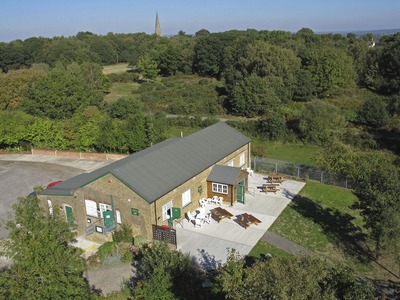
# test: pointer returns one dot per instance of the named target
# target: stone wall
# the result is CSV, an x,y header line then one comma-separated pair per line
x,y
78,155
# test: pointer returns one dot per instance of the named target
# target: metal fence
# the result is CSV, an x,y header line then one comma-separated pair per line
x,y
266,165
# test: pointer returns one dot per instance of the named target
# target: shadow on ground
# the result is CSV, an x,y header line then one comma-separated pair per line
x,y
337,226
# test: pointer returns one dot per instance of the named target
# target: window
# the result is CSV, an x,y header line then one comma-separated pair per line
x,y
50,207
242,160
230,164
186,198
118,215
220,188
91,208
103,208
167,211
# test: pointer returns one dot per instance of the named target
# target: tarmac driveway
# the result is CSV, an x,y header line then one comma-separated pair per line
x,y
208,245
20,173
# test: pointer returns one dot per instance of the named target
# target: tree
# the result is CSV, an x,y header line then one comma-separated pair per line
x,y
271,127
373,113
305,86
331,68
299,277
389,64
165,274
252,97
274,63
63,91
123,107
14,85
378,192
14,128
44,265
147,66
320,122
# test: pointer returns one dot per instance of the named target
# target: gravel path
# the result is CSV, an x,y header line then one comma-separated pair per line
x,y
111,278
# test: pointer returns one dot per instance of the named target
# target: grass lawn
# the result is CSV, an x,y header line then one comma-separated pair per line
x,y
117,68
263,247
290,152
121,89
175,132
321,220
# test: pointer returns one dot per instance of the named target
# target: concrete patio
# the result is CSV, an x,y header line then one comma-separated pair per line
x,y
208,245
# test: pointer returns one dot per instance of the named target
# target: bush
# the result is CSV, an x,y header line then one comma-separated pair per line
x,y
124,234
373,113
271,127
139,240
106,249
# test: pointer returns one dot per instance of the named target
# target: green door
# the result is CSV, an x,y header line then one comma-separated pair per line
x,y
108,220
70,215
240,192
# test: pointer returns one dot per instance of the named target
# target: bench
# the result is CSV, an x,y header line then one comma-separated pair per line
x,y
243,221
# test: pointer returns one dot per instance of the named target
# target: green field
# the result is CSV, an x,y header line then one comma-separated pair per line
x,y
121,89
321,220
117,68
290,152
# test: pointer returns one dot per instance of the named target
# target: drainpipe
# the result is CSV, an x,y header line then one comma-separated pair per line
x,y
155,211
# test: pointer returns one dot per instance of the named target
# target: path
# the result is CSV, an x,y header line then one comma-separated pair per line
x,y
284,244
109,279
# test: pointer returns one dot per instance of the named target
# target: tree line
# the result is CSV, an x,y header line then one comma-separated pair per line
x,y
327,89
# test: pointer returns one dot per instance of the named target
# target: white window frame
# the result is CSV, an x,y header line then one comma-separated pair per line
x,y
104,207
50,207
242,160
118,216
167,211
186,198
91,208
220,188
230,164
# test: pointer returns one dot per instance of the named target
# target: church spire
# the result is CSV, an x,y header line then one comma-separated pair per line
x,y
158,28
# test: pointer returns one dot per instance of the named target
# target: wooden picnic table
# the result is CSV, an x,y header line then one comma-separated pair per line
x,y
220,213
275,179
246,220
270,187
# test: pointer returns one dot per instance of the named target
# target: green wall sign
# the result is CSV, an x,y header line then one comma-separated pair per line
x,y
135,211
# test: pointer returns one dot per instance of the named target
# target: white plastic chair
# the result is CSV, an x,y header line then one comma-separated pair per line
x,y
215,199
250,171
219,201
207,218
203,202
190,217
198,222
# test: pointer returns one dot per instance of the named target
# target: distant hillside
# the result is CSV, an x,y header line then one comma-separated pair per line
x,y
377,33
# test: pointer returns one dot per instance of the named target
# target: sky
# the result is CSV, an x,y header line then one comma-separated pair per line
x,y
21,19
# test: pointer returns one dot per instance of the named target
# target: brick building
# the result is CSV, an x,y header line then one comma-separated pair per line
x,y
156,185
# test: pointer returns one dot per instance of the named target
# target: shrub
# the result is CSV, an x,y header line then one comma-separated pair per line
x,y
106,249
139,240
124,234
373,113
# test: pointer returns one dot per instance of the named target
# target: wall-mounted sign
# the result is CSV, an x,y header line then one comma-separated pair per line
x,y
135,211
99,229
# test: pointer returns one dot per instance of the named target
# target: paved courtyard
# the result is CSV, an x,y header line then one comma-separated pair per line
x,y
208,245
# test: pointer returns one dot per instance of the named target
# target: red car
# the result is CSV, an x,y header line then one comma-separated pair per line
x,y
53,183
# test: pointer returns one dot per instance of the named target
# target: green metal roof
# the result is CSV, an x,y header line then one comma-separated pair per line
x,y
224,174
157,170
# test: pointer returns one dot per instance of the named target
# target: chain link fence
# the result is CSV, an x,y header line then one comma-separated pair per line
x,y
273,166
